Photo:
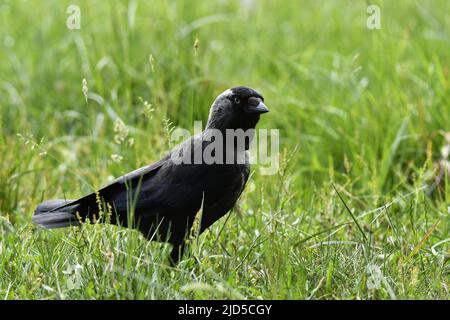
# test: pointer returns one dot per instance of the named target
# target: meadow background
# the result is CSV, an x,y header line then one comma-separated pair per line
x,y
363,110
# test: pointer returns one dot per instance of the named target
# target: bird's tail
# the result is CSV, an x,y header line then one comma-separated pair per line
x,y
56,214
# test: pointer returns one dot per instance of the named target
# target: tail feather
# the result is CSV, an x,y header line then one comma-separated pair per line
x,y
54,214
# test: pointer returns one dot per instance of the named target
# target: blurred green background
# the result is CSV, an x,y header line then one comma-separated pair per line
x,y
363,109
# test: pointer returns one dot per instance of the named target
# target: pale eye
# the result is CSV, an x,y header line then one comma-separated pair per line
x,y
237,100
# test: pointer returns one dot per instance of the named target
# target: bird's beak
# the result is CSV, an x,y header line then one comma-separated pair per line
x,y
256,106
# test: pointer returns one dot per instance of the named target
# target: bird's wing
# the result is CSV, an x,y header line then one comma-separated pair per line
x,y
137,174
156,188
172,188
119,183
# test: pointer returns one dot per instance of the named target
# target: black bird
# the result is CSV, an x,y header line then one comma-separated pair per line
x,y
162,199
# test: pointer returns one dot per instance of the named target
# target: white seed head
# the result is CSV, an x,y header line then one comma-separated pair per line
x,y
121,131
116,158
84,89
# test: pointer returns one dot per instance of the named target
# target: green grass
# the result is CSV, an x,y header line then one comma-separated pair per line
x,y
361,110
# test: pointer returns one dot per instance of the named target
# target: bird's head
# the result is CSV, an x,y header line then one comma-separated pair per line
x,y
236,108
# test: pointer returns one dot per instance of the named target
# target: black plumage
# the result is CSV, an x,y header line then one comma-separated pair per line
x,y
162,199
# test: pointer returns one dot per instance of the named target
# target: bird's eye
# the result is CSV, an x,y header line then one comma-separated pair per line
x,y
237,100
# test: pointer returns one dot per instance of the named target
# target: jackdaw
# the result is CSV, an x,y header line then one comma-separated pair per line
x,y
205,174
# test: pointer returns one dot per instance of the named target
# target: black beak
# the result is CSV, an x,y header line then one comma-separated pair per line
x,y
255,105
